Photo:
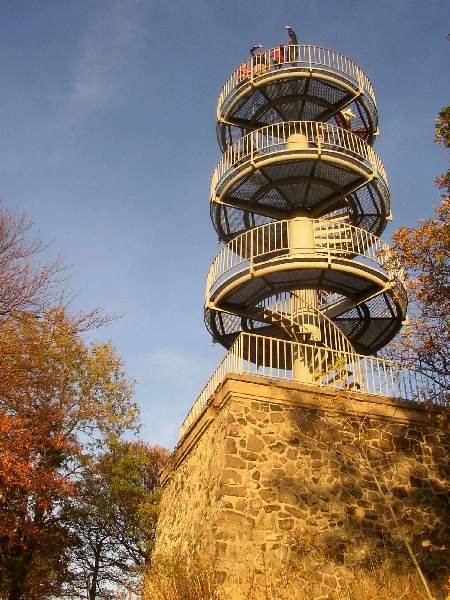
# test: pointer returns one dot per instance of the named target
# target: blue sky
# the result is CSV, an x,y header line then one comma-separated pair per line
x,y
108,143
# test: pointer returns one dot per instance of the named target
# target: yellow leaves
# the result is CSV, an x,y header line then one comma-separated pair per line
x,y
45,361
442,127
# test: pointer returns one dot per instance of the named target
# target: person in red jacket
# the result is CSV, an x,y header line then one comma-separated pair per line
x,y
277,56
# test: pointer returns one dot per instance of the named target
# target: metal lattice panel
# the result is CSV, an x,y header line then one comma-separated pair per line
x,y
285,87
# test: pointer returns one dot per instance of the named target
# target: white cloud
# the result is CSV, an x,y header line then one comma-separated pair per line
x,y
107,47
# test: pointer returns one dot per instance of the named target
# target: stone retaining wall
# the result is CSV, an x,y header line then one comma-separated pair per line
x,y
275,474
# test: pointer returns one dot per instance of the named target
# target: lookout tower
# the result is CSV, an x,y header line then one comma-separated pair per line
x,y
303,288
302,294
299,198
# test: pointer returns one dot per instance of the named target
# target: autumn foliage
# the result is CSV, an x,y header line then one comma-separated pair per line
x,y
64,405
424,253
114,517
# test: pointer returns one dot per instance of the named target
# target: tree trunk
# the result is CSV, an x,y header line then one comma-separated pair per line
x,y
21,562
95,572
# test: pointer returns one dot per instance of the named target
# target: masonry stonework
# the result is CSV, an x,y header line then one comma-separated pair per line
x,y
276,473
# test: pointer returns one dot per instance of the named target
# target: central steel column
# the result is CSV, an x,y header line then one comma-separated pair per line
x,y
304,302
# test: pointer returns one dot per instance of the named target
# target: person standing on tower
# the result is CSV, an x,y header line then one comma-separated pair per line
x,y
293,45
255,48
292,36
258,59
349,117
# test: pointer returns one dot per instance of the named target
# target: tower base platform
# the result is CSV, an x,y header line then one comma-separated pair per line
x,y
278,477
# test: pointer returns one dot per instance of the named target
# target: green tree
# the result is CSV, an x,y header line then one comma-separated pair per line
x,y
114,519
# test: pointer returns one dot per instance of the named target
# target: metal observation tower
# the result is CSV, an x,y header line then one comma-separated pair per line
x,y
303,287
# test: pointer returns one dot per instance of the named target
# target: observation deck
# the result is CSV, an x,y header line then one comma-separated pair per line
x,y
285,83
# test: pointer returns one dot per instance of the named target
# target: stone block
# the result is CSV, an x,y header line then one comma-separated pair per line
x,y
230,446
231,476
269,508
254,444
285,524
235,462
285,495
232,490
249,455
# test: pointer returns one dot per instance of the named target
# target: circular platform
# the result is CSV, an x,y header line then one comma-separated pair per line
x,y
368,326
299,167
295,83
365,299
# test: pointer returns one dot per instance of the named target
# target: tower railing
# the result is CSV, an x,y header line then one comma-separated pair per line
x,y
382,377
277,138
308,57
332,240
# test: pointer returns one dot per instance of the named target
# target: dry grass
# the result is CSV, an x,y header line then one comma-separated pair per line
x,y
180,579
191,580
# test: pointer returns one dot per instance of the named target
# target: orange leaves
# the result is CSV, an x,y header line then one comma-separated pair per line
x,y
424,253
30,477
30,457
15,441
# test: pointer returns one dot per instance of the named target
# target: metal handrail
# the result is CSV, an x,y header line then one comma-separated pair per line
x,y
275,138
272,240
322,329
331,336
301,57
382,377
230,364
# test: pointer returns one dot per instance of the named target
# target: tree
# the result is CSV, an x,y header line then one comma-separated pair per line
x,y
442,128
114,518
24,284
31,538
59,399
424,253
28,284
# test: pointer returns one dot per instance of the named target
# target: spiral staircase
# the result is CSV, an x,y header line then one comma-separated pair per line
x,y
298,200
302,283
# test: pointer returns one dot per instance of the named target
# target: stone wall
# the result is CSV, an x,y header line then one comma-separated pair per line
x,y
275,473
